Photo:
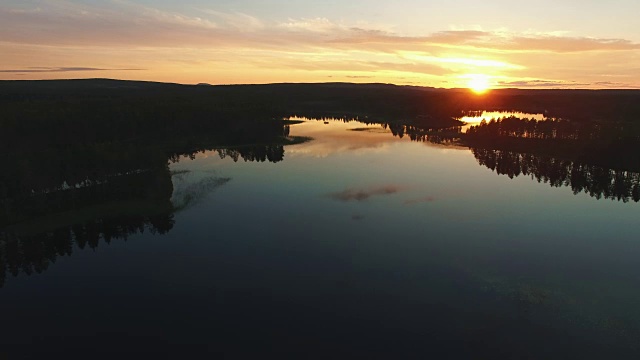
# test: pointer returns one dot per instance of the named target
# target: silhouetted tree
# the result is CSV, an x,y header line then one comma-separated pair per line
x,y
594,180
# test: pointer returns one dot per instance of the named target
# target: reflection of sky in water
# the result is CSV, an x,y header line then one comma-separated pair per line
x,y
356,229
345,137
488,115
396,204
338,136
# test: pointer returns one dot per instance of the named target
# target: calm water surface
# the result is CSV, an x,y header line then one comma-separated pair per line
x,y
358,244
476,117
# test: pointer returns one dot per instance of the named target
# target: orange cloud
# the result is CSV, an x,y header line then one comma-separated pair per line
x,y
45,69
223,47
129,24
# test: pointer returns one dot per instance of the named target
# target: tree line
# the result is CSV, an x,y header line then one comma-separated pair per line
x,y
84,166
599,182
88,152
34,253
555,129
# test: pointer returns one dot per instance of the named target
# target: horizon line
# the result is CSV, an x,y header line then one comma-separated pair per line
x,y
321,83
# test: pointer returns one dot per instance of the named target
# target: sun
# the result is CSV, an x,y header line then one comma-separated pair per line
x,y
479,84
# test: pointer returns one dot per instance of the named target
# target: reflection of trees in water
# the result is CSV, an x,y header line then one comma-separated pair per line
x,y
589,157
600,164
47,225
601,168
597,181
271,153
44,220
29,254
419,128
422,129
81,195
99,152
447,135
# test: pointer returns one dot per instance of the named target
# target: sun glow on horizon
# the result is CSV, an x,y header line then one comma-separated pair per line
x,y
478,83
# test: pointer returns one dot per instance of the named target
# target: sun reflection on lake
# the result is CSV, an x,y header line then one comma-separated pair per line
x,y
475,119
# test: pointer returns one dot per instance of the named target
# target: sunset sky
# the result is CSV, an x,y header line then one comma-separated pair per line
x,y
441,43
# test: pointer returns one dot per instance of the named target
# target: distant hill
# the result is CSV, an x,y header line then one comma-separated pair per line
x,y
374,100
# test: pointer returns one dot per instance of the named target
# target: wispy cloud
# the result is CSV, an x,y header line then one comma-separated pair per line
x,y
236,20
317,25
125,23
563,84
44,69
210,38
536,83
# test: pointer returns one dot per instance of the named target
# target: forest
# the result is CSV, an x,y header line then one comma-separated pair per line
x,y
88,160
84,166
64,133
606,144
599,182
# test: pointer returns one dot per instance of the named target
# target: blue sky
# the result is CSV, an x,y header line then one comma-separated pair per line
x,y
597,18
433,43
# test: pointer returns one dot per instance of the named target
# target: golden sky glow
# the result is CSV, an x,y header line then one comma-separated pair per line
x,y
190,42
339,137
478,83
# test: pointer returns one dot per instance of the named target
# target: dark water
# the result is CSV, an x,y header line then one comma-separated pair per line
x,y
357,244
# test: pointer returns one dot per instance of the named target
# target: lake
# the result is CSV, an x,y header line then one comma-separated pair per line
x,y
357,244
474,118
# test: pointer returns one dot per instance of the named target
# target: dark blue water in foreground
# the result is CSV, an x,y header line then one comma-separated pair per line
x,y
358,245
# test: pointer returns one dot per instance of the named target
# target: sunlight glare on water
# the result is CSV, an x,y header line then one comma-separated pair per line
x,y
472,120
